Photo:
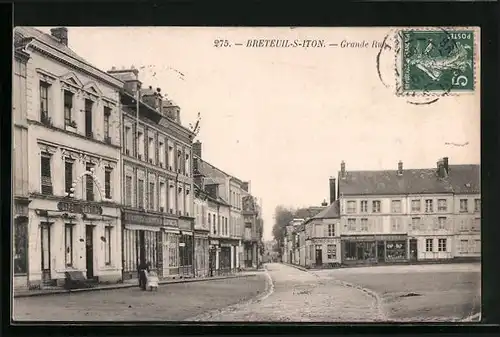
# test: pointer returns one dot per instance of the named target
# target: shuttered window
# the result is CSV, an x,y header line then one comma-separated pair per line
x,y
46,176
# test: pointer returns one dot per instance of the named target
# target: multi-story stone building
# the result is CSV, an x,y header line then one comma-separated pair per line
x,y
405,215
20,168
201,229
252,235
73,149
157,181
322,235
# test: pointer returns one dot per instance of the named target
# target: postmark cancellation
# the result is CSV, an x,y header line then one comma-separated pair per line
x,y
436,61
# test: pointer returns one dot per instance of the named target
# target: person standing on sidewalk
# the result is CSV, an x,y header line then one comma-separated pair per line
x,y
144,266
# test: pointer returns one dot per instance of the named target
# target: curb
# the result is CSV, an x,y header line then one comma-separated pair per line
x,y
124,286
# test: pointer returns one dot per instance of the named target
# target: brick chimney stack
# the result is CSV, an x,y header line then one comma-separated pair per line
x,y
60,33
332,190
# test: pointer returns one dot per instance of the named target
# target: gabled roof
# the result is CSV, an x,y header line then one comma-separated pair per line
x,y
412,181
331,212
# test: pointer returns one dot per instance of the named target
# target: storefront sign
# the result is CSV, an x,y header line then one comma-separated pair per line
x,y
79,207
182,244
184,224
214,242
225,245
143,219
170,223
374,237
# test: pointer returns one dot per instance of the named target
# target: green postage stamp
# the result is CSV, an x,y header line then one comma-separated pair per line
x,y
437,61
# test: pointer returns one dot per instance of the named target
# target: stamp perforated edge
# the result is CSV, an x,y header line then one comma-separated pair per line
x,y
398,71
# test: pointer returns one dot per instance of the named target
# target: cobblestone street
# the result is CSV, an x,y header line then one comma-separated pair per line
x,y
172,302
302,296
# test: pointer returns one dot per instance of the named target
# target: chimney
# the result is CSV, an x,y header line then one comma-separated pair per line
x,y
400,168
129,76
446,167
342,170
442,173
61,34
332,190
324,203
197,149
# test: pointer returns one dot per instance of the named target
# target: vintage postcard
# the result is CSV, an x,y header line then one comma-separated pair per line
x,y
285,174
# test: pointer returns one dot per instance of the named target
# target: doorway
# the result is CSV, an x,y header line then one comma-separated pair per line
x,y
142,249
413,250
89,251
319,256
46,253
380,251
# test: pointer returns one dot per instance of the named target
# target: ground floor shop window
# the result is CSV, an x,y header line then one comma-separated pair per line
x,y
332,252
225,258
360,250
395,250
173,250
186,250
20,246
130,239
151,248
107,245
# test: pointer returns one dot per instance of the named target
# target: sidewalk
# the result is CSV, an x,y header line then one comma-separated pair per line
x,y
46,292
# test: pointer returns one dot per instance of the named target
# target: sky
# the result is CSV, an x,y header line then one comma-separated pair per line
x,y
284,118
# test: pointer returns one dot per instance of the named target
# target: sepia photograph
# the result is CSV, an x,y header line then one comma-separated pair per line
x,y
246,174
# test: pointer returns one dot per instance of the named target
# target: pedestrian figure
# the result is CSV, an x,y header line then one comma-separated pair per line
x,y
144,266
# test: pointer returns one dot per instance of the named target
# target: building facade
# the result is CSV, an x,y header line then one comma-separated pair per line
x,y
20,168
406,215
73,145
158,220
201,232
252,235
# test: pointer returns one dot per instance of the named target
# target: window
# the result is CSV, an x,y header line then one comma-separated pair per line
x,y
428,245
331,230
464,205
140,193
68,245
68,175
179,160
151,149
441,223
429,206
396,224
161,150
173,250
44,101
351,224
376,206
364,206
170,158
128,191
46,176
68,107
477,205
464,246
140,145
20,247
107,113
476,224
415,223
441,245
351,207
214,224
415,205
163,192
107,182
187,166
128,136
88,118
107,242
151,195
89,183
442,206
364,225
227,227
396,206
219,225
331,252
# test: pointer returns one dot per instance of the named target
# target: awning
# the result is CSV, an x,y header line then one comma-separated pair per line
x,y
142,228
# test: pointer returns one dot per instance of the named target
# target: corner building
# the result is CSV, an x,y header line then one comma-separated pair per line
x,y
73,150
157,180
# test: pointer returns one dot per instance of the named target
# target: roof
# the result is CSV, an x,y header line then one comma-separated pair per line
x,y
412,181
331,212
51,41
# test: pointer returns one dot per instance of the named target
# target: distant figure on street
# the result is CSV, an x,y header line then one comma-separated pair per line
x,y
144,266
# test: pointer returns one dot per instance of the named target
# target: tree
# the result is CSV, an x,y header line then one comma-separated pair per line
x,y
282,216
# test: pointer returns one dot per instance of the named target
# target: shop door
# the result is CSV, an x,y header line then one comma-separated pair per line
x,y
319,256
380,251
46,254
142,248
413,250
212,260
89,251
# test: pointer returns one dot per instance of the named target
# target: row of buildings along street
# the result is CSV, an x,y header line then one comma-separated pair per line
x,y
391,216
106,177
